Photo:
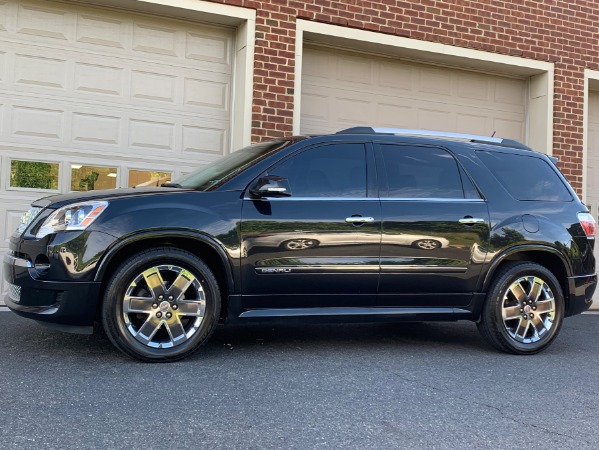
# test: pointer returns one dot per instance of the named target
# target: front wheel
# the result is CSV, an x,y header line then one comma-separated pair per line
x,y
161,305
524,309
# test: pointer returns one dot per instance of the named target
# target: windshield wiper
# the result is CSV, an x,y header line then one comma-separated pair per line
x,y
175,185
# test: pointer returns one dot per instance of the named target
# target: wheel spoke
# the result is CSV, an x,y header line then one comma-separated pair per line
x,y
545,306
154,281
181,284
175,330
536,287
137,304
192,308
147,331
538,323
511,312
518,292
522,328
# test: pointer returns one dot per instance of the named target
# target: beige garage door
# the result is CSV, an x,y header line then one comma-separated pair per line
x,y
343,89
92,98
592,184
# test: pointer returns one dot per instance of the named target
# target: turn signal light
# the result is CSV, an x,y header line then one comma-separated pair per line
x,y
588,224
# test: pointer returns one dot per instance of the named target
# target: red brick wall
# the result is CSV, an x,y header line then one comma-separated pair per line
x,y
564,32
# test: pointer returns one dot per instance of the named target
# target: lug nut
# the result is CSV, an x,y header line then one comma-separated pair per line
x,y
532,316
170,298
160,297
154,305
521,309
525,316
168,315
159,315
534,308
175,306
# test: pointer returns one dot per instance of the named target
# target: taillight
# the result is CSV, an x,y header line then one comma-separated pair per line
x,y
588,224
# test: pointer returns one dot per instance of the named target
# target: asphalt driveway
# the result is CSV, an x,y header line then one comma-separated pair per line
x,y
425,385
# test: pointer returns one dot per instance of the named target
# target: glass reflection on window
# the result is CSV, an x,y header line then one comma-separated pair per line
x,y
91,178
139,178
34,175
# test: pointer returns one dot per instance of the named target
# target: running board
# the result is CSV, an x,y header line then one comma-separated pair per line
x,y
324,312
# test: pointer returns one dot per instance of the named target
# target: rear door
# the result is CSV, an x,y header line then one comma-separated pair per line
x,y
435,228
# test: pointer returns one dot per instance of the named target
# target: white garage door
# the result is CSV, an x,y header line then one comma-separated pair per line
x,y
592,176
92,98
344,89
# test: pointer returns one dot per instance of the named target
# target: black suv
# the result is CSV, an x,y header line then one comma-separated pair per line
x,y
365,224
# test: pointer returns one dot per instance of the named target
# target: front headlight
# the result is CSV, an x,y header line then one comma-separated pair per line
x,y
77,216
26,219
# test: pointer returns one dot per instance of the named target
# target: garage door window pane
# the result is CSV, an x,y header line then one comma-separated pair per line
x,y
138,178
33,175
421,172
89,178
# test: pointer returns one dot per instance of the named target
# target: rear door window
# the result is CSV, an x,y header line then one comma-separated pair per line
x,y
423,172
525,177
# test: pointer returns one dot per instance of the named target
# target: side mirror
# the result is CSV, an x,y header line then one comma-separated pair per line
x,y
271,186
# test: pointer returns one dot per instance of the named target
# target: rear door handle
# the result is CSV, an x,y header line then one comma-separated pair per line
x,y
359,219
471,220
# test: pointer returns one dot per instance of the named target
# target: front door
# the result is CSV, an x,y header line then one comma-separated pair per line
x,y
320,246
435,228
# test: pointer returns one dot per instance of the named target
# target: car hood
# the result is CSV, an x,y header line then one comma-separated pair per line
x,y
56,201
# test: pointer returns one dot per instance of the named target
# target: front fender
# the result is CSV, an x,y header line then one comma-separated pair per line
x,y
136,238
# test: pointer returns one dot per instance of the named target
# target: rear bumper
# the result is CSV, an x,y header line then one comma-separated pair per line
x,y
66,304
581,290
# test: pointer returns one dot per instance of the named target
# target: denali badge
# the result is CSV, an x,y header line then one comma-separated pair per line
x,y
272,270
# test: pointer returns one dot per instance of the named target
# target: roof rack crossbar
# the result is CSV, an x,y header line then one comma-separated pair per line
x,y
405,131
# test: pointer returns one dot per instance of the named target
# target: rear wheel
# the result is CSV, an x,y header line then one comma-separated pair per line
x,y
524,309
426,244
161,305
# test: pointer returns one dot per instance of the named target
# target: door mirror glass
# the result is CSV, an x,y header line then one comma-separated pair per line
x,y
271,186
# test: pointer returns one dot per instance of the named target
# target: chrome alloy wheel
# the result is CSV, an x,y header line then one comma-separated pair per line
x,y
428,244
300,244
164,306
528,310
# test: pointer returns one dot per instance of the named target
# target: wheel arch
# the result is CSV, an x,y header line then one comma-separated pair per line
x,y
204,247
548,257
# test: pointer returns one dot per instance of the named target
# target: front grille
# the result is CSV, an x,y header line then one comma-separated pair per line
x,y
14,292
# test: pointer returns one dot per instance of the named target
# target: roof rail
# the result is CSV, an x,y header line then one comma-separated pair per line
x,y
445,134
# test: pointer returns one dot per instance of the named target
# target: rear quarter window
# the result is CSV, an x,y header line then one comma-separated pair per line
x,y
526,178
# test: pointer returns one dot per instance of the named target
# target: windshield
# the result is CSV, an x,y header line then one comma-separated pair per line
x,y
223,169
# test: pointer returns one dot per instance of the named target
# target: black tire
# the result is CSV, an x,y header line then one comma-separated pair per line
x,y
299,244
121,320
513,335
426,244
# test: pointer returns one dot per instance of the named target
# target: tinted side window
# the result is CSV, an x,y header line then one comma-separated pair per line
x,y
526,177
421,172
336,170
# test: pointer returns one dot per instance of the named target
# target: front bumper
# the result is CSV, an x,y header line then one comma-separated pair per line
x,y
68,305
581,290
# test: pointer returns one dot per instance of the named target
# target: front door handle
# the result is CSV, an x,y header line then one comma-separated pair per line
x,y
471,220
359,219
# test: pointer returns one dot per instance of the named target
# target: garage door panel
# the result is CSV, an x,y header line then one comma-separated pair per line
x,y
78,77
472,124
36,20
391,116
406,94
